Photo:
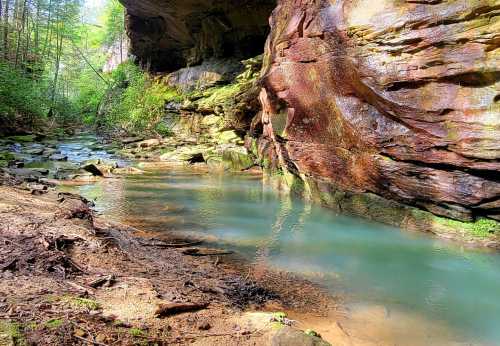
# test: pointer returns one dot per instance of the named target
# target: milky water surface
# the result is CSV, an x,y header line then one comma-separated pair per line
x,y
367,263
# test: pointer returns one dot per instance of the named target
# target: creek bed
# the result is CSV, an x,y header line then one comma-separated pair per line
x,y
399,287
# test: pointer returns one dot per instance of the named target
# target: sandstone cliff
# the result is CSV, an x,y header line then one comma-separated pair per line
x,y
388,108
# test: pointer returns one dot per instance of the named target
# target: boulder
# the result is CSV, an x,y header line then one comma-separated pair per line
x,y
91,162
287,336
185,153
228,136
24,174
130,140
229,157
148,143
93,169
75,175
47,152
35,151
42,171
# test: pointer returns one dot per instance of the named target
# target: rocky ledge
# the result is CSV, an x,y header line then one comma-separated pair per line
x,y
385,109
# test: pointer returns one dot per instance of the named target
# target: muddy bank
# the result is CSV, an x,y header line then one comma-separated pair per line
x,y
71,278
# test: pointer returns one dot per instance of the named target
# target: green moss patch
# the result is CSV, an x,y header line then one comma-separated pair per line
x,y
482,228
54,323
136,332
12,333
23,139
82,303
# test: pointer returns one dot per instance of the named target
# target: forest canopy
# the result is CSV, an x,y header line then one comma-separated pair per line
x,y
51,68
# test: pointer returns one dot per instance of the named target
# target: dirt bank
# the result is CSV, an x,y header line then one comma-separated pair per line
x,y
70,278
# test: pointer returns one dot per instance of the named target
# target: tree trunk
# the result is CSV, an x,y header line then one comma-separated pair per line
x,y
49,29
20,32
6,30
59,39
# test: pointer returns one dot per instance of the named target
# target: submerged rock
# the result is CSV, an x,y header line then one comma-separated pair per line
x,y
58,157
127,170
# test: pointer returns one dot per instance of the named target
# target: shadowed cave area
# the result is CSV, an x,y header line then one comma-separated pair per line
x,y
167,35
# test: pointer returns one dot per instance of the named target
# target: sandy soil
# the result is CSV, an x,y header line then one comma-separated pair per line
x,y
69,278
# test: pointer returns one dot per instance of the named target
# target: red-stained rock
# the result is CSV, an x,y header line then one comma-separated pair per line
x,y
364,102
396,98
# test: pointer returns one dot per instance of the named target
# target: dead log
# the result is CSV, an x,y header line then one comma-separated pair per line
x,y
170,309
105,281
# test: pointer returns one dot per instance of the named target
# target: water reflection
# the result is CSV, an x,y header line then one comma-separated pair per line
x,y
403,272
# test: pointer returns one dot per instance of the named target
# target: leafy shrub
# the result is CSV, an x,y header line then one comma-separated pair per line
x,y
140,104
20,96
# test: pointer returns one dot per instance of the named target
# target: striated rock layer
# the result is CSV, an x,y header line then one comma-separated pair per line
x,y
396,98
389,108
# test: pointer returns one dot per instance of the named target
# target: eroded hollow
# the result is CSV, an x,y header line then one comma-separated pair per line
x,y
168,35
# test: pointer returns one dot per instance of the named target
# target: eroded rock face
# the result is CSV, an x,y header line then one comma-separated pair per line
x,y
365,102
168,35
397,98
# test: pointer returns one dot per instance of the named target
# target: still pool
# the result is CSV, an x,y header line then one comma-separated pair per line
x,y
408,274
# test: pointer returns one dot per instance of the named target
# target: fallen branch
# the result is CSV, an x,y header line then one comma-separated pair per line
x,y
170,309
159,243
105,281
206,252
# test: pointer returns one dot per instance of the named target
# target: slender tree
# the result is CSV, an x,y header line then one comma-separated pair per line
x,y
6,30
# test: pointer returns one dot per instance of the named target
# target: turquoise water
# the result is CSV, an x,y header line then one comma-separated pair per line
x,y
365,262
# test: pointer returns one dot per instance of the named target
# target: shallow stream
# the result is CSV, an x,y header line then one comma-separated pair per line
x,y
420,290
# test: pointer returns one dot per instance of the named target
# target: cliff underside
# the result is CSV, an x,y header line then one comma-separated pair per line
x,y
386,109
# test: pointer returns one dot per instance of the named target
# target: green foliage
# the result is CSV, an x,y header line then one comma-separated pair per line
x,y
163,130
84,303
136,332
113,19
482,228
140,104
54,323
13,331
20,95
279,317
311,332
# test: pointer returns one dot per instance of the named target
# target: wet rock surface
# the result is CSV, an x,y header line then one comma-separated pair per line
x,y
287,336
78,159
396,98
361,102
